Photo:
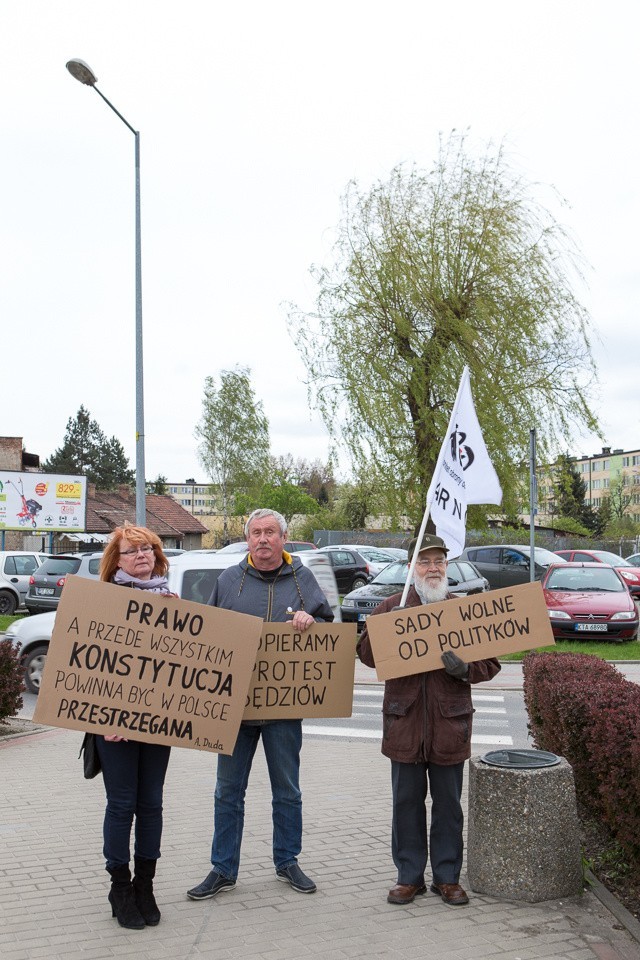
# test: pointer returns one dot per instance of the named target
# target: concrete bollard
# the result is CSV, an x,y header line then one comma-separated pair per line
x,y
523,840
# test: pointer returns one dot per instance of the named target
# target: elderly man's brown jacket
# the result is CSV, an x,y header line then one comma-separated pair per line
x,y
427,716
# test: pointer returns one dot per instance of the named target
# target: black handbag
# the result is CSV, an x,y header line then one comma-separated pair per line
x,y
90,758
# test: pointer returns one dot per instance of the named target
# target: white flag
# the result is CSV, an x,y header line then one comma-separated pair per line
x,y
464,473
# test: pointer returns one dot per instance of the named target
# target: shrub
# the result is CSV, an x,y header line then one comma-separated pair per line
x,y
11,685
583,709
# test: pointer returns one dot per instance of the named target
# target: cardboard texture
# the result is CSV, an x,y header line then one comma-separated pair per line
x,y
306,674
147,667
484,625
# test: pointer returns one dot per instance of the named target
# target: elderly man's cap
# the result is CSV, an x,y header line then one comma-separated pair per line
x,y
429,542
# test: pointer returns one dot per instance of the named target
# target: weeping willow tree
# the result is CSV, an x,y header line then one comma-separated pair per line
x,y
432,271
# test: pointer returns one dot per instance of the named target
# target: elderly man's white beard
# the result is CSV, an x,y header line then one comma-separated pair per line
x,y
431,594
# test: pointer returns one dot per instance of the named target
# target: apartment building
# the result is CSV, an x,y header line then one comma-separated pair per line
x,y
193,496
598,472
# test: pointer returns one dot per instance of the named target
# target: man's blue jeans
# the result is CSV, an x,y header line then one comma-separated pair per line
x,y
282,741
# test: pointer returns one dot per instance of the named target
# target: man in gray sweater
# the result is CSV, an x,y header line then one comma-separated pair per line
x,y
271,584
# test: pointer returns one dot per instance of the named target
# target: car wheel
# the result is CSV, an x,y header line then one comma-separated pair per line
x,y
8,603
358,582
33,666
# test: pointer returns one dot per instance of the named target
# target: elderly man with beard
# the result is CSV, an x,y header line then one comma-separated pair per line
x,y
427,736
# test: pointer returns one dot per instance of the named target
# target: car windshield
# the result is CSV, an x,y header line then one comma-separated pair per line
x,y
611,558
394,573
579,579
544,557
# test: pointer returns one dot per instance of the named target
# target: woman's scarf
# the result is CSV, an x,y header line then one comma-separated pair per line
x,y
155,584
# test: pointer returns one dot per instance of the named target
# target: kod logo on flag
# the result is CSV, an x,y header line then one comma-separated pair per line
x,y
464,473
460,452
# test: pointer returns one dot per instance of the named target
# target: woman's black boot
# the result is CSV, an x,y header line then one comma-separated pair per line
x,y
145,871
122,899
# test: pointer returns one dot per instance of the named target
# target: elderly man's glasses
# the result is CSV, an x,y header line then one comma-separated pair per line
x,y
426,564
144,548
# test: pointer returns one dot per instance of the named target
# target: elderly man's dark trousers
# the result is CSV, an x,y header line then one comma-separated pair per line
x,y
409,829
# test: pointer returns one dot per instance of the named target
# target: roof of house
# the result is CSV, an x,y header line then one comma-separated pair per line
x,y
107,509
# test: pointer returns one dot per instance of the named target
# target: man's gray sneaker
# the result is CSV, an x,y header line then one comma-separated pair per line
x,y
294,876
213,884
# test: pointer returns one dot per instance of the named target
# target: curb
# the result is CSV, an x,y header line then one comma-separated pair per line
x,y
613,905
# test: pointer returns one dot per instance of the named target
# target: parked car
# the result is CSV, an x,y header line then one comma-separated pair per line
x,y
16,567
464,579
191,575
377,558
506,564
398,553
291,546
172,551
634,559
584,599
351,570
46,583
629,573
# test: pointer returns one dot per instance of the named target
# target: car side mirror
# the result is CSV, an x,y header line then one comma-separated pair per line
x,y
452,582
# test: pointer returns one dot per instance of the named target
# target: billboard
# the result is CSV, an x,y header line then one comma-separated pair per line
x,y
42,502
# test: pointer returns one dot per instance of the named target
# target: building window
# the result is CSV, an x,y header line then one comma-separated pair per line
x,y
605,483
626,461
596,465
605,464
596,484
635,461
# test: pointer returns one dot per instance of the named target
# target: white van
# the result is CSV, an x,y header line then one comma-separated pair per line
x,y
193,575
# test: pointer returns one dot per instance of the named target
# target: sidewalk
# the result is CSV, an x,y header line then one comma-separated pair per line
x,y
53,887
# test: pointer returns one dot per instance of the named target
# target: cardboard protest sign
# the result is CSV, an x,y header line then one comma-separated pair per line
x,y
147,667
484,625
306,674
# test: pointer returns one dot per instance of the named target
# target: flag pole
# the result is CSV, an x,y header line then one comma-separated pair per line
x,y
412,565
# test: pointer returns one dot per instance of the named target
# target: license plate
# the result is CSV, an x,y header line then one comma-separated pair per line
x,y
45,591
592,627
362,617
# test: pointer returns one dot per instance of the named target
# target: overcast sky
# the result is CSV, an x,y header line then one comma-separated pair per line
x,y
253,118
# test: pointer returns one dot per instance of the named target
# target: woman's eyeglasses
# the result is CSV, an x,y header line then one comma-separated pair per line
x,y
144,548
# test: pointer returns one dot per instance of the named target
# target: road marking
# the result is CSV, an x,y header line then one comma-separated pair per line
x,y
491,710
355,733
496,741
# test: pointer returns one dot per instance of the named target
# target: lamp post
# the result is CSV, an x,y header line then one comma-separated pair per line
x,y
83,72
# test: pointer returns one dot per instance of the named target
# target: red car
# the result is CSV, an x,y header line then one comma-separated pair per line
x,y
589,598
629,573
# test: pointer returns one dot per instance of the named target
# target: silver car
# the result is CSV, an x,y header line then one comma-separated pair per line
x,y
16,569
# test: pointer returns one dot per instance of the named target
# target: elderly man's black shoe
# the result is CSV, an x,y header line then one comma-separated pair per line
x,y
405,892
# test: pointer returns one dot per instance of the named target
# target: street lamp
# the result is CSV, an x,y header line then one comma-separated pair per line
x,y
83,72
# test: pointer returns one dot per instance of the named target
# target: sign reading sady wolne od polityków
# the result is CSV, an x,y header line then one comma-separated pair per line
x,y
412,640
307,674
147,667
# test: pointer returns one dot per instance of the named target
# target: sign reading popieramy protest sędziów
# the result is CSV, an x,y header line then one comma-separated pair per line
x,y
413,639
147,667
306,674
